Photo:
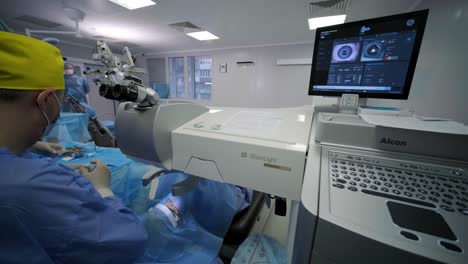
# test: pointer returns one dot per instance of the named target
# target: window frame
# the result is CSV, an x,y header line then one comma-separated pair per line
x,y
186,76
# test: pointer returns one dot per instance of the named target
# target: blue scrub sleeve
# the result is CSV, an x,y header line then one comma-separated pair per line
x,y
85,86
74,224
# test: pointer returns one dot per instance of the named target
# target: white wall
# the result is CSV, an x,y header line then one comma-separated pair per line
x,y
263,84
440,84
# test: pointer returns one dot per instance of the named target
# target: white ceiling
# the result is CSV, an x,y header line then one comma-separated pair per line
x,y
236,22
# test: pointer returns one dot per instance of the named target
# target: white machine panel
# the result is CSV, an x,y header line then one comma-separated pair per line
x,y
262,149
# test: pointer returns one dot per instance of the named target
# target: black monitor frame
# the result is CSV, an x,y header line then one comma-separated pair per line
x,y
412,63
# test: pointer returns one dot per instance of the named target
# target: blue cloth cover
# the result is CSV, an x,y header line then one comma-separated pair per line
x,y
260,248
206,216
70,127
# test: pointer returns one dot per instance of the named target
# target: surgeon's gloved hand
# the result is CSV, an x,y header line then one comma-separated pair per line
x,y
99,178
46,148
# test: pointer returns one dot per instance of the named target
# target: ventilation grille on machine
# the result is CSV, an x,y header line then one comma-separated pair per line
x,y
38,21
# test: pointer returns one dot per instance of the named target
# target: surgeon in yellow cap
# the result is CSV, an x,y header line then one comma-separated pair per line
x,y
48,212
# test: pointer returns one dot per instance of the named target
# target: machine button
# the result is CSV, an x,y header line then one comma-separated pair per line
x,y
430,176
335,174
408,194
453,180
411,189
358,158
401,177
384,189
350,157
335,170
424,181
334,161
464,211
448,185
351,188
357,179
353,173
334,155
404,183
373,187
447,201
396,192
352,169
460,187
436,194
360,166
403,165
412,179
409,235
388,185
398,171
448,196
435,200
342,162
352,183
378,168
380,173
341,181
393,180
442,178
371,172
422,191
419,174
347,177
440,189
408,173
389,170
435,183
399,187
420,196
377,183
337,185
334,166
463,199
369,167
363,175
451,247
361,170
383,179
344,172
428,187
366,180
458,173
363,185
373,177
447,208
462,205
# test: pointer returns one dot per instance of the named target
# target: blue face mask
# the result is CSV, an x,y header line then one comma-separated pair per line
x,y
50,125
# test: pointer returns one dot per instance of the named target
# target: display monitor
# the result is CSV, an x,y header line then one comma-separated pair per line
x,y
373,58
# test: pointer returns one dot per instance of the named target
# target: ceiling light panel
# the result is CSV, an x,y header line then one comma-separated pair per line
x,y
202,35
325,21
133,4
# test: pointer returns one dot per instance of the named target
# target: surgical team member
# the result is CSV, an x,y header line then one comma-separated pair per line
x,y
75,85
48,212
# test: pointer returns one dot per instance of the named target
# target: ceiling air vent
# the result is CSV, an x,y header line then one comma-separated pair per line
x,y
38,21
184,27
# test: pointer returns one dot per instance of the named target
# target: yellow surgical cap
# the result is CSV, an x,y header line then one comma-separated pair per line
x,y
29,64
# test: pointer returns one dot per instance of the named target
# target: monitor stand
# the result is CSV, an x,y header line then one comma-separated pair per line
x,y
348,104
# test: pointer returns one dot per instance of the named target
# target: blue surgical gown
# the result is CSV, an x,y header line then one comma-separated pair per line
x,y
50,214
77,87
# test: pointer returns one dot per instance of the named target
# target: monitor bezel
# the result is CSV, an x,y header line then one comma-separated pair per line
x,y
412,64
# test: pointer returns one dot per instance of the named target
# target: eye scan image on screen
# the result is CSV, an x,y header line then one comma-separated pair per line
x,y
373,58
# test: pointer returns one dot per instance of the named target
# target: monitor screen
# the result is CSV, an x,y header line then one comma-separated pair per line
x,y
374,58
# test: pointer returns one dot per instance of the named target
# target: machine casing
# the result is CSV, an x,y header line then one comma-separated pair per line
x,y
263,149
